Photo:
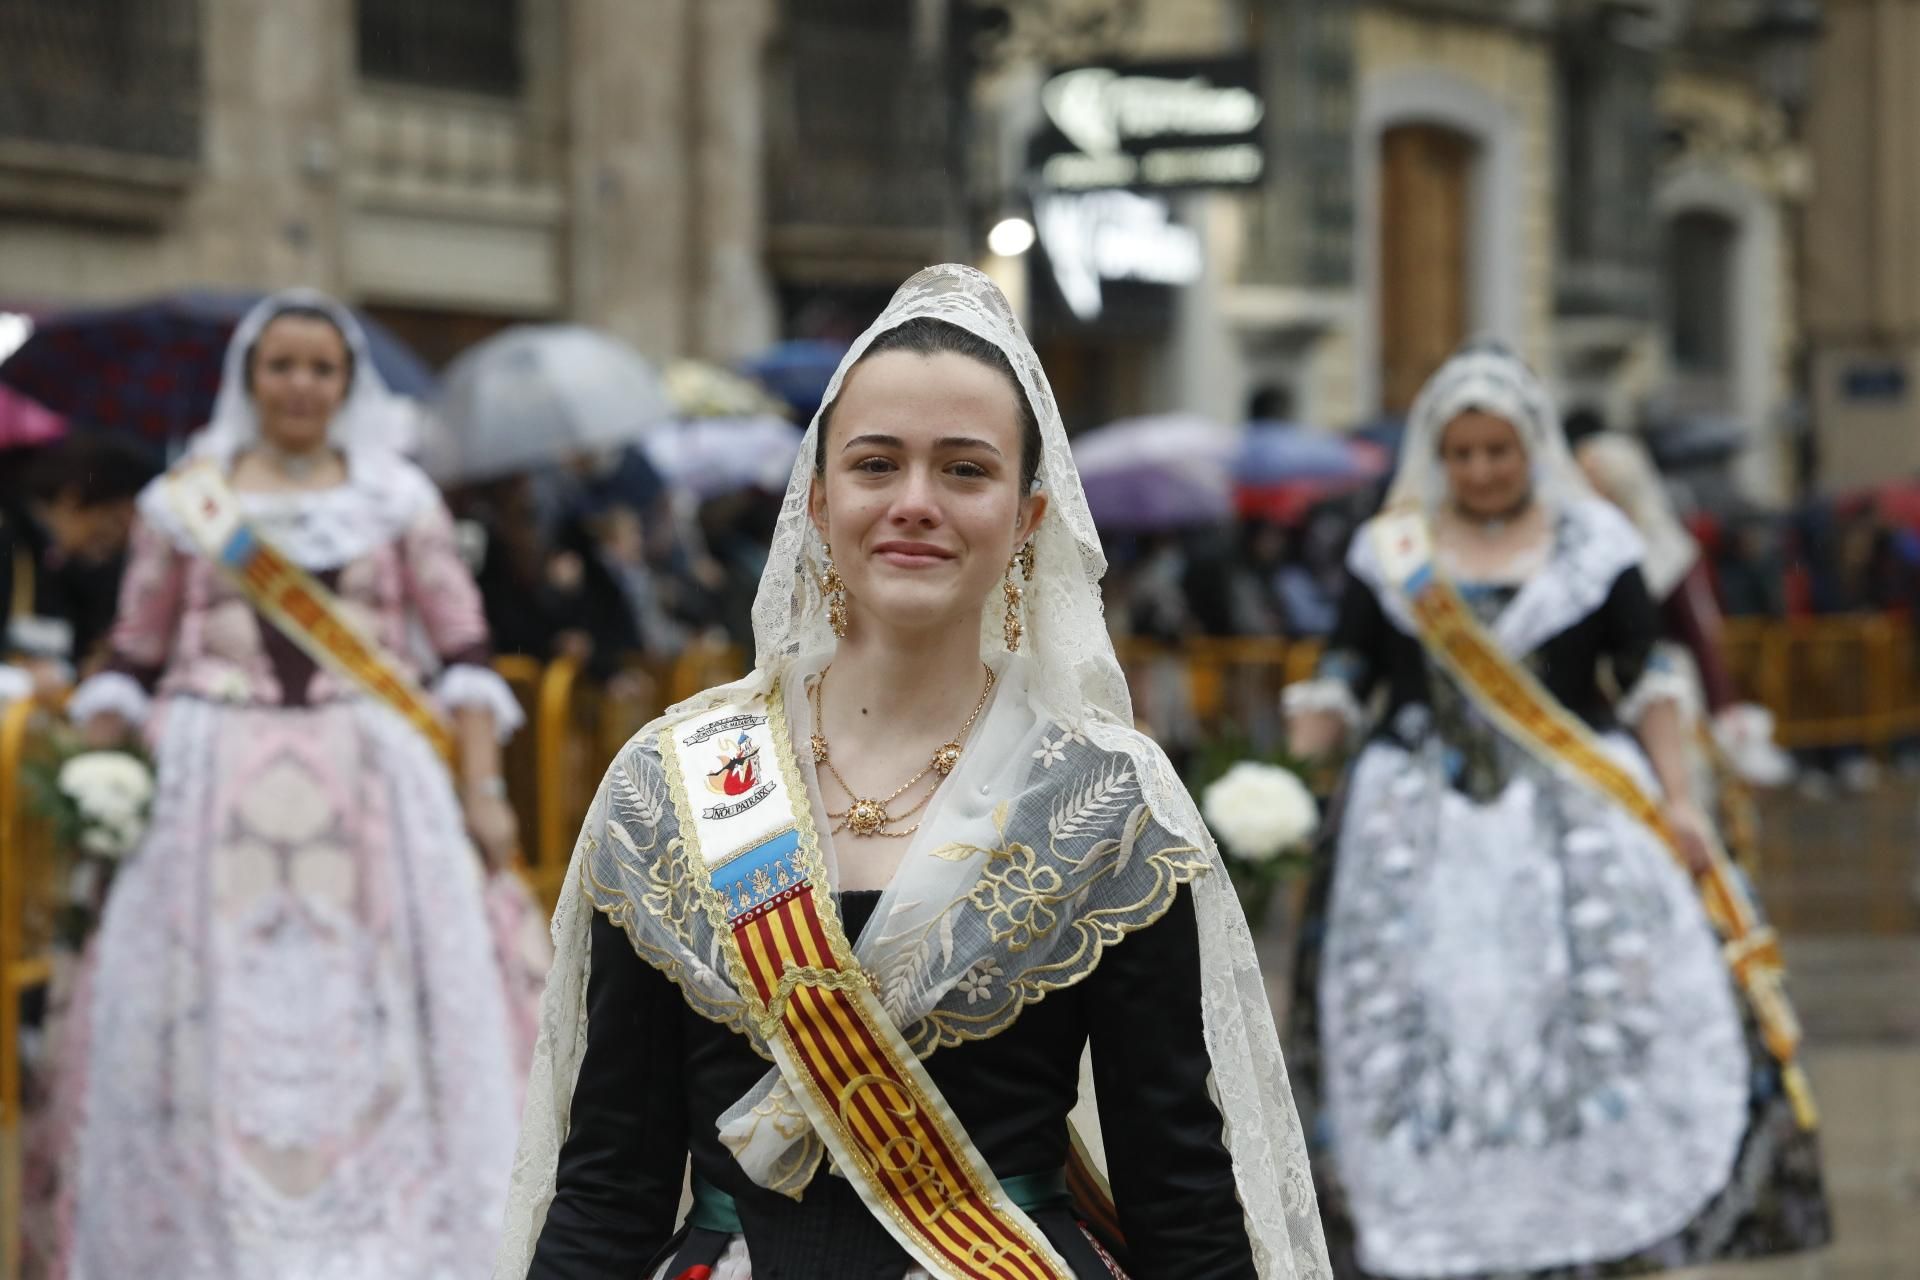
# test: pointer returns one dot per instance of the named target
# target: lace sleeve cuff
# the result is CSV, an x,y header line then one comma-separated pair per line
x,y
1658,685
466,685
1322,693
110,692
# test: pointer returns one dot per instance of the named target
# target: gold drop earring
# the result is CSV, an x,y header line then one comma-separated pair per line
x,y
1021,565
834,588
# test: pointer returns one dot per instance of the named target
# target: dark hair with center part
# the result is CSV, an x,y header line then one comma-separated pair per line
x,y
925,336
299,311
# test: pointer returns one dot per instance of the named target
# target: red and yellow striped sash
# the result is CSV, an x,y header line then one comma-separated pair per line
x,y
864,1090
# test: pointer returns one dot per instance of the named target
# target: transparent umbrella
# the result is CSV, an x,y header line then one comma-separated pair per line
x,y
540,394
712,457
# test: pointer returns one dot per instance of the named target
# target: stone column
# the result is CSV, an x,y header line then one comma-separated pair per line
x,y
267,214
733,306
633,196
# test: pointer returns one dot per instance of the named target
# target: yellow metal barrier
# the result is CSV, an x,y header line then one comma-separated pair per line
x,y
1846,680
26,897
1850,680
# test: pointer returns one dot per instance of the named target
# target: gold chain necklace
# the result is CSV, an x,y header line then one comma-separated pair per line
x,y
866,817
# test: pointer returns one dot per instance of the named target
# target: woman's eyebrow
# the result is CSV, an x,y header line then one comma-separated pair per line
x,y
966,442
873,441
876,441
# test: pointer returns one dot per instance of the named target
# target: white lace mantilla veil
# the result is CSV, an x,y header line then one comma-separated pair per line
x,y
1072,679
1487,376
372,419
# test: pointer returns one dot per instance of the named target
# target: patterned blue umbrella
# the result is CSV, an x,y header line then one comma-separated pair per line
x,y
797,371
152,368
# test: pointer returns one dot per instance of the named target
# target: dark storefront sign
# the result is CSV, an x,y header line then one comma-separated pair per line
x,y
1152,126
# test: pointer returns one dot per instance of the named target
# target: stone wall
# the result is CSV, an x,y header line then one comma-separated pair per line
x,y
621,188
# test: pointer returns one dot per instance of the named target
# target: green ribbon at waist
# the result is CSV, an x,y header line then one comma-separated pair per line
x,y
715,1210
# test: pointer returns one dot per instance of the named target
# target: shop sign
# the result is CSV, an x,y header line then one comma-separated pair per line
x,y
1097,237
1152,126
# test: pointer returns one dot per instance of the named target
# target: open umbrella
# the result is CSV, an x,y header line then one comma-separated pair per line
x,y
25,422
797,371
1278,452
153,367
539,394
1168,471
702,390
713,457
1283,470
1696,440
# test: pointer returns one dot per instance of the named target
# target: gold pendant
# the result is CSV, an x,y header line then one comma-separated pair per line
x,y
819,749
867,817
946,758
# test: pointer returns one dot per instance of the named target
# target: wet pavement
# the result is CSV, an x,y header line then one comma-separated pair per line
x,y
1838,876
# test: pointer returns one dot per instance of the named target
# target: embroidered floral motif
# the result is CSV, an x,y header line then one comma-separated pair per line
x,y
1017,892
1050,753
976,984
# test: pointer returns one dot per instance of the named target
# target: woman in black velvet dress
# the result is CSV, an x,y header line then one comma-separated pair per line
x,y
1033,913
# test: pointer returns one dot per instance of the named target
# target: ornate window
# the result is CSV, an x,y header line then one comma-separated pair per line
x,y
471,46
1608,152
864,119
1699,303
120,77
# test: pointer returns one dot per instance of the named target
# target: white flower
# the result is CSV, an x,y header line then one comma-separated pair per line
x,y
112,790
1259,811
107,781
1050,753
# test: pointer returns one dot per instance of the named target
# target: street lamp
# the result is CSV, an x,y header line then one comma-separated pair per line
x,y
1010,237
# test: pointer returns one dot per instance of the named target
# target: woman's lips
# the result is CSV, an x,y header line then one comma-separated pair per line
x,y
912,555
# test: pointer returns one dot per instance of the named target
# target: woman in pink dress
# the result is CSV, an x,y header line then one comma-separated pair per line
x,y
303,1059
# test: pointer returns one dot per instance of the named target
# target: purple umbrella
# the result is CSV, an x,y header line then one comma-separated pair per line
x,y
1167,471
1150,497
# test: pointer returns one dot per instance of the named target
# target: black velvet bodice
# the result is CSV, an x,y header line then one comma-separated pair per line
x,y
1367,651
656,1076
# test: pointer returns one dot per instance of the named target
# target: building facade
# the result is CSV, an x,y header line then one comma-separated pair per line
x,y
1610,187
1863,269
456,165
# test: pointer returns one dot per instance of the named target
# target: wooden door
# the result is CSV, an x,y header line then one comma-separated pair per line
x,y
1426,196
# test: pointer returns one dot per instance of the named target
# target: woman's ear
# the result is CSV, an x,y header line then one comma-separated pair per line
x,y
1036,510
817,506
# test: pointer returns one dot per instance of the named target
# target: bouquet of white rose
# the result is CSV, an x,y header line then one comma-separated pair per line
x,y
97,802
110,792
1264,817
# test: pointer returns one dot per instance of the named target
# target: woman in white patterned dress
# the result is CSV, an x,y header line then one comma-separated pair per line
x,y
301,1052
1513,1029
